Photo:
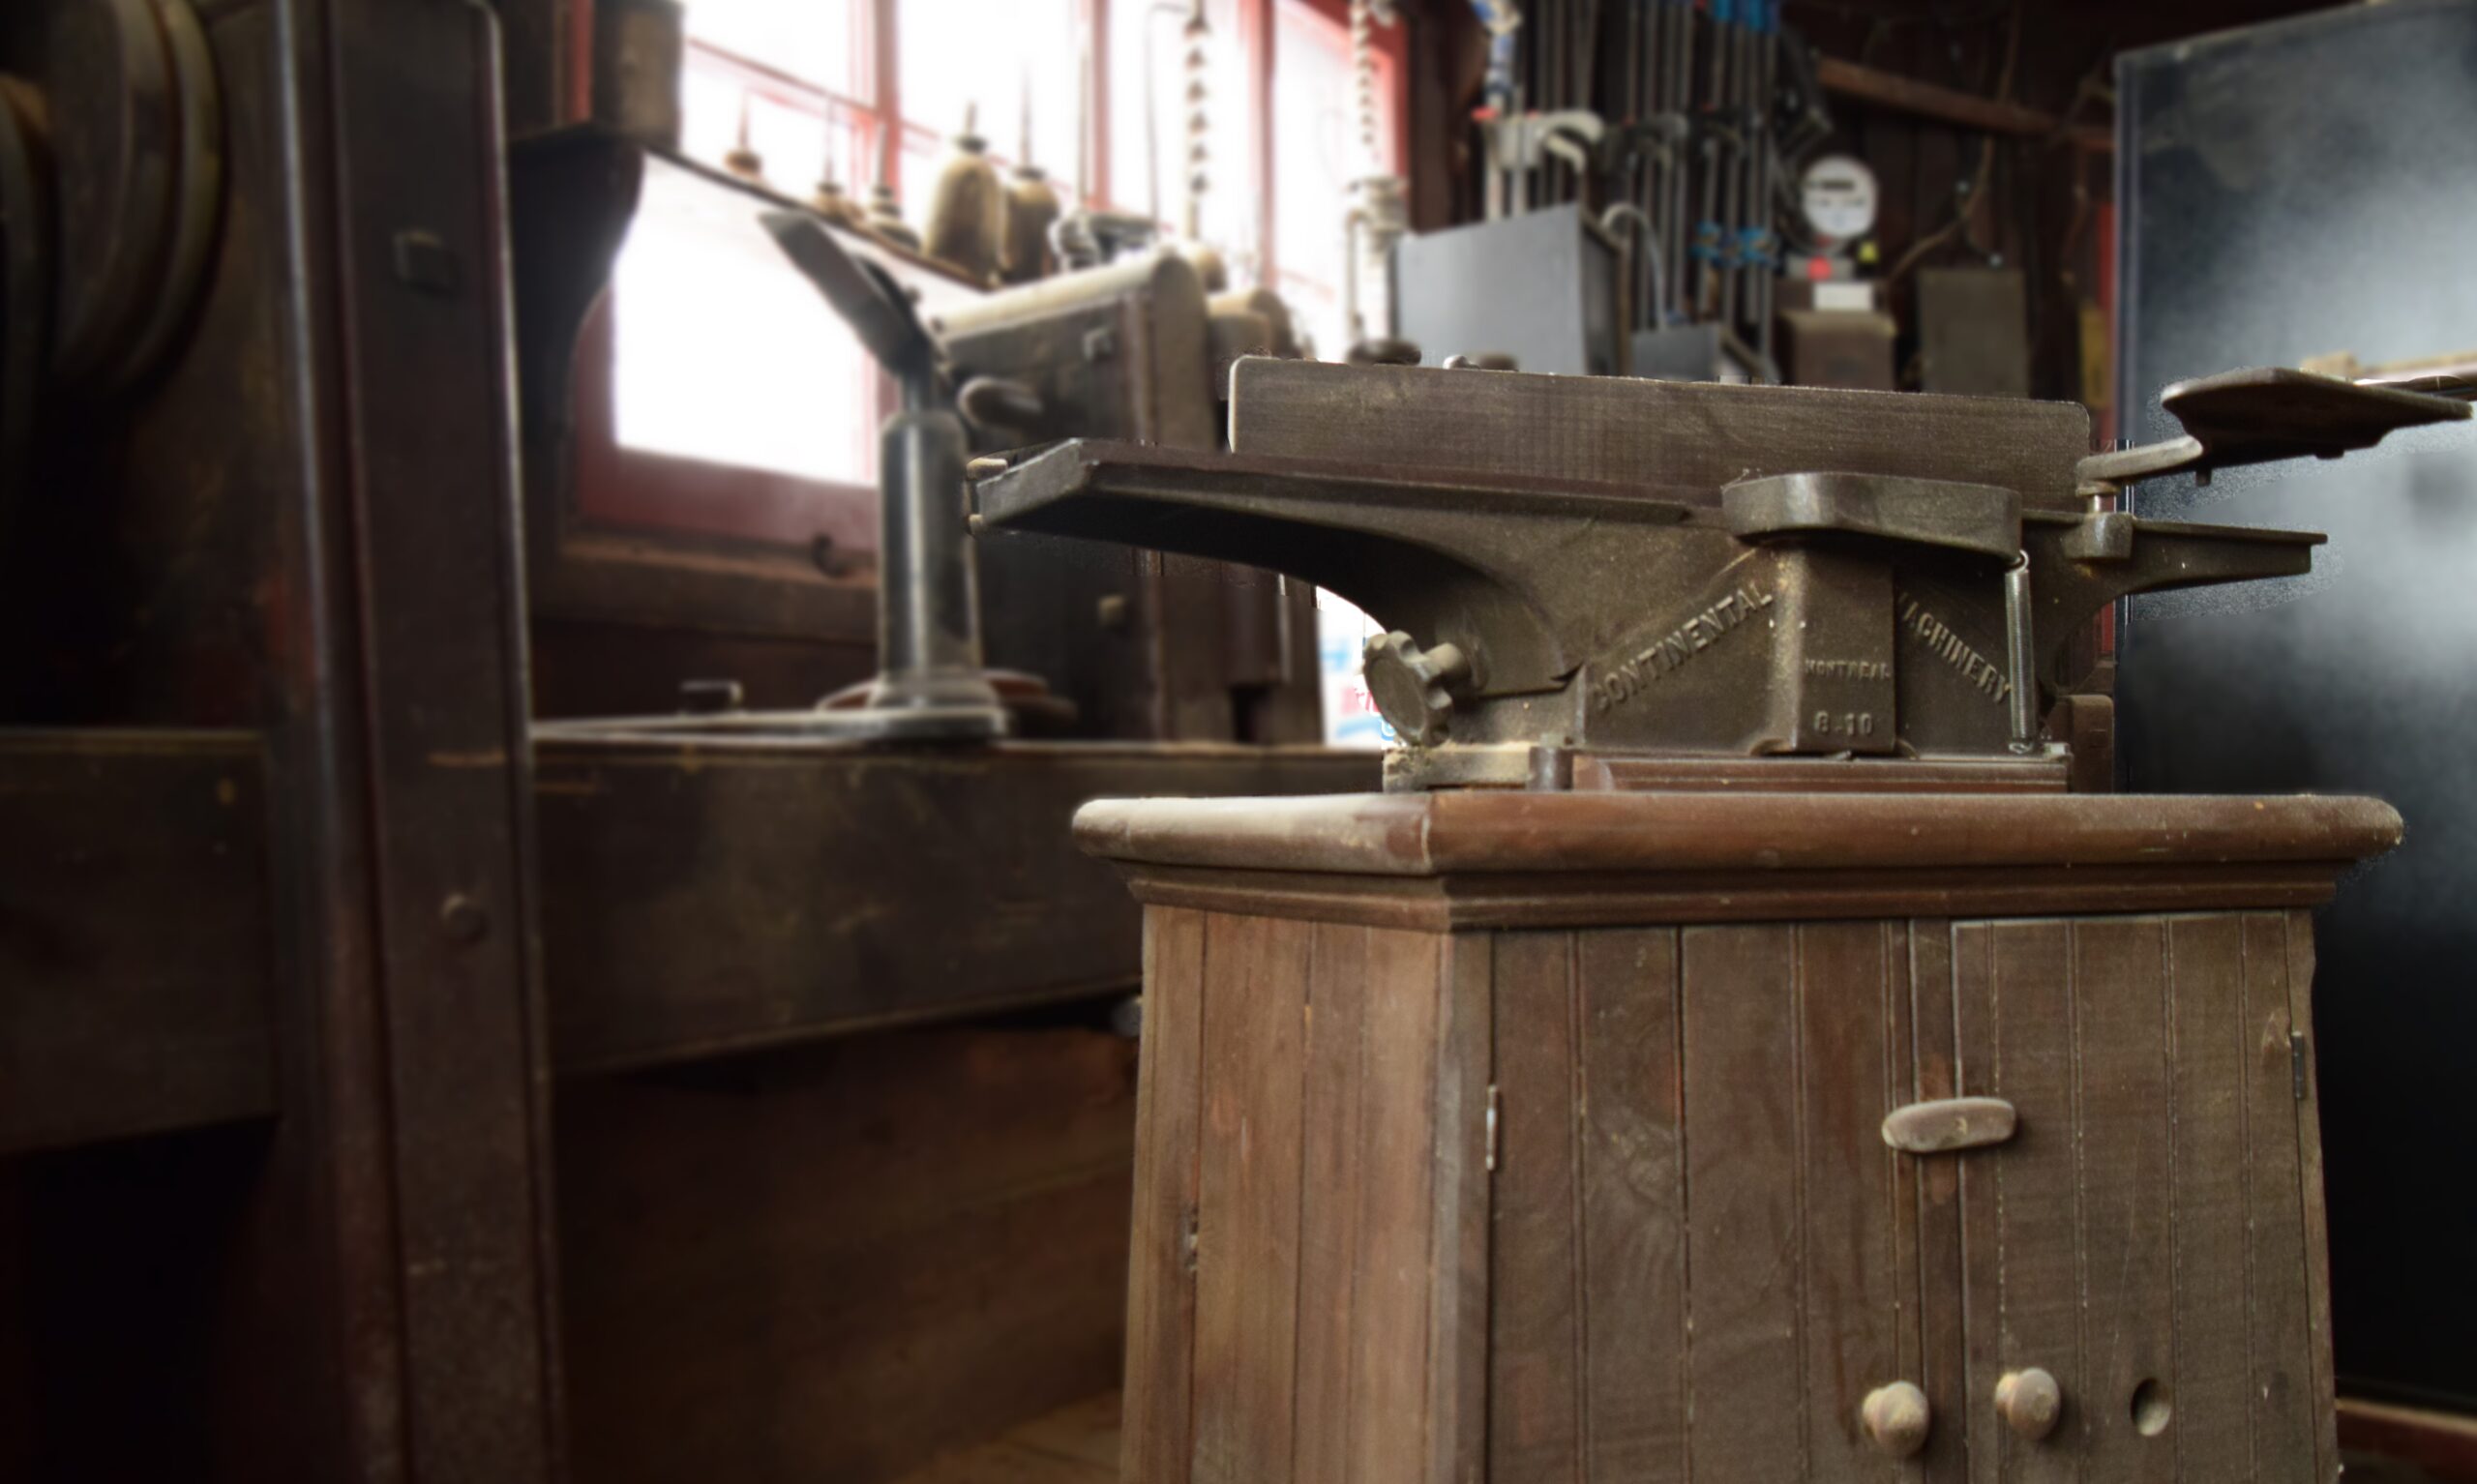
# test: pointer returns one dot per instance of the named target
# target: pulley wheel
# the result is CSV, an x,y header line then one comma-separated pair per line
x,y
25,286
113,123
198,191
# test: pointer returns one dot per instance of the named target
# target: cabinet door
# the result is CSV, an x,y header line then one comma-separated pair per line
x,y
1703,1255
2145,1236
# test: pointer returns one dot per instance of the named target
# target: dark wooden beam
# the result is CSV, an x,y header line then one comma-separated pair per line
x,y
711,897
1927,99
136,935
696,898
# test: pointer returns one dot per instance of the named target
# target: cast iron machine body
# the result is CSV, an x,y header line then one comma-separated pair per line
x,y
1621,571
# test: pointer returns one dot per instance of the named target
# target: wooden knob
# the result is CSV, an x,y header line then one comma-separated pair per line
x,y
1896,1419
2029,1401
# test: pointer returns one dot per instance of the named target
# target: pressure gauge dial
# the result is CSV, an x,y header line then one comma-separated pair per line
x,y
1838,193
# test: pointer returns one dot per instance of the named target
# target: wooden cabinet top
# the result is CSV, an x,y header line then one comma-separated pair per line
x,y
1503,858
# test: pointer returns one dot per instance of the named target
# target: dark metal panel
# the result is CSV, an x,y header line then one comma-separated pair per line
x,y
1541,288
2290,191
413,1075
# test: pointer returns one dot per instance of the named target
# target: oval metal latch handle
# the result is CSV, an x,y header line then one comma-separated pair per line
x,y
1947,1124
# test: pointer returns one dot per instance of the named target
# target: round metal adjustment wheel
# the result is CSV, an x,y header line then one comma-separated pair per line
x,y
1410,684
2030,1402
1896,1419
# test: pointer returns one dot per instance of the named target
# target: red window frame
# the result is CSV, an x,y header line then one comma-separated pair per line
x,y
625,486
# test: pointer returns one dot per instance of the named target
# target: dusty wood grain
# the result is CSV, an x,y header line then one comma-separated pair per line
x,y
1248,1199
1538,900
1536,1325
1392,1352
2298,936
1745,1281
1161,1297
2288,1394
2213,1422
720,1284
1076,1444
1935,1281
1462,1201
106,1031
2128,1297
1633,1245
1852,1225
2023,1206
706,897
1478,830
1334,1176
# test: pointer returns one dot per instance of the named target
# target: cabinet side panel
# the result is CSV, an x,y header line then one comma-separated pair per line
x,y
1742,1270
1248,1198
2021,1209
1459,1265
2299,936
2212,1419
1853,1227
1632,1196
2287,1393
1161,1297
1332,1173
2128,1422
1536,1325
1392,1297
1938,1285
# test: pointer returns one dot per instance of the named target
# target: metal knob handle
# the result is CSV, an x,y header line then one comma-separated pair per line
x,y
1413,686
2029,1401
1896,1419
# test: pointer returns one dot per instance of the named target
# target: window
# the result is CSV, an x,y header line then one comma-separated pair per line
x,y
1148,118
722,357
992,56
1317,155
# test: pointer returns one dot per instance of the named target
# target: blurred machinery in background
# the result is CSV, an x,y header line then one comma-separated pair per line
x,y
1670,136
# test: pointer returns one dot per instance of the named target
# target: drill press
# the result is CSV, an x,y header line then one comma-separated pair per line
x,y
1730,1048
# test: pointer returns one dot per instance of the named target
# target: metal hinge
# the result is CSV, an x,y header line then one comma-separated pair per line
x,y
1492,1126
2296,1063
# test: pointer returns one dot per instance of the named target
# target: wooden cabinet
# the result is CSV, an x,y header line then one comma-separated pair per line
x,y
1537,1138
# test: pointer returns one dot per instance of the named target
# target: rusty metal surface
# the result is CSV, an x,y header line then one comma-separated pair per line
x,y
403,853
2269,413
1656,434
1815,612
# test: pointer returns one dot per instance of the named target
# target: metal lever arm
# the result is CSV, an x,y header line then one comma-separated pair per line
x,y
878,310
2265,414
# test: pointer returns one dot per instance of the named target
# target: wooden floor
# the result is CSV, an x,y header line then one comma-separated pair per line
x,y
1077,1445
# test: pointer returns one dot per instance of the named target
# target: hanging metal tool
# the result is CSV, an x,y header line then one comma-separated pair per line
x,y
1379,215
